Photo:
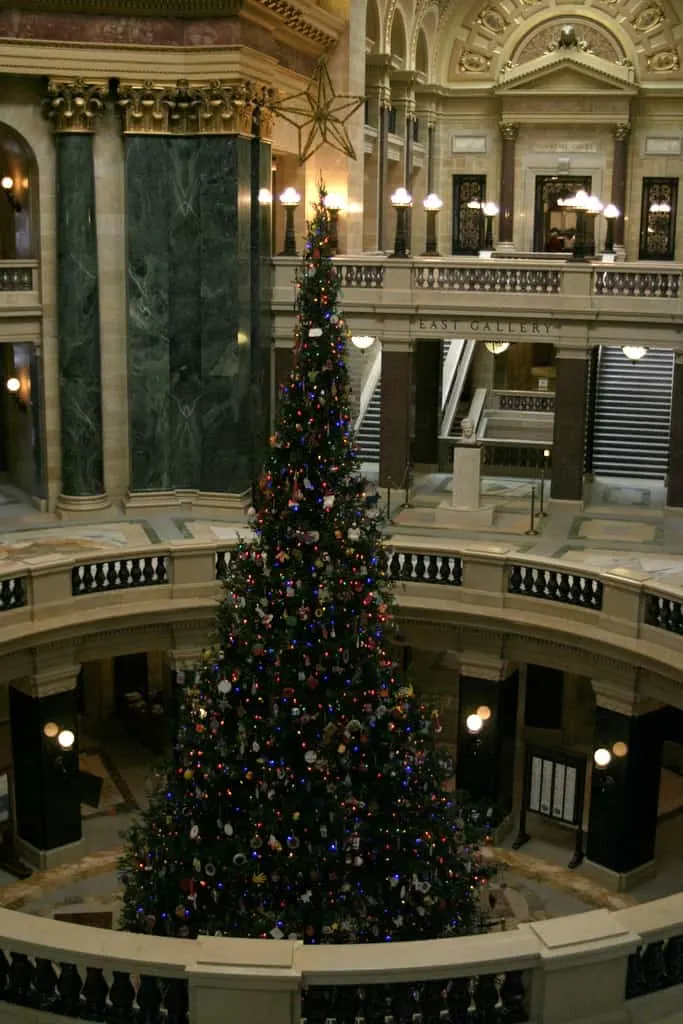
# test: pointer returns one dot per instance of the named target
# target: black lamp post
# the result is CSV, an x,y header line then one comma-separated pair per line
x,y
401,202
290,199
610,213
432,204
334,204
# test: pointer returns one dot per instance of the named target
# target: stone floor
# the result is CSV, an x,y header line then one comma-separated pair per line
x,y
624,523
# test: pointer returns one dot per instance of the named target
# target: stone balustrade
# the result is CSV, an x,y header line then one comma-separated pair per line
x,y
535,295
19,285
590,967
626,612
599,965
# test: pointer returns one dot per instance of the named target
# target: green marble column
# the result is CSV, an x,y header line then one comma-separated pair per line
x,y
73,110
261,284
191,324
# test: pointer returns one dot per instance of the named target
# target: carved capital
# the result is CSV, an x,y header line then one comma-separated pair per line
x,y
509,131
74,106
218,108
622,131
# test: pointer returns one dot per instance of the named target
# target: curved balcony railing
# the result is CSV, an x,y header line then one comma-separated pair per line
x,y
567,969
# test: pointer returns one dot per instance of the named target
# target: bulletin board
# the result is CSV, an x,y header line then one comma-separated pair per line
x,y
554,787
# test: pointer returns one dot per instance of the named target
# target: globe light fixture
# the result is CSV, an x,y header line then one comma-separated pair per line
x,y
13,385
602,757
620,749
432,204
634,353
496,348
66,739
474,724
6,182
265,197
484,712
290,199
401,201
51,730
362,341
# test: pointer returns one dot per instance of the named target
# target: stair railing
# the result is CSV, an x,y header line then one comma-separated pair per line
x,y
371,381
450,367
457,388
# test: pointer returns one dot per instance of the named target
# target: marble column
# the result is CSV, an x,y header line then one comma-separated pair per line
x,y
485,760
570,425
431,130
261,285
624,795
379,99
395,416
674,486
509,133
427,371
196,292
47,801
73,110
619,165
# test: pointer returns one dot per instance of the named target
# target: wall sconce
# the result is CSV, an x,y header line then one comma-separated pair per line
x,y
432,204
290,199
602,757
333,204
610,213
362,342
475,722
20,391
7,185
65,737
496,348
401,202
634,353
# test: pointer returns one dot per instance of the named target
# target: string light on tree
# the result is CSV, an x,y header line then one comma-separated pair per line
x,y
307,797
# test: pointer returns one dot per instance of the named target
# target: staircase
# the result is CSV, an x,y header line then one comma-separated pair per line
x,y
367,435
632,414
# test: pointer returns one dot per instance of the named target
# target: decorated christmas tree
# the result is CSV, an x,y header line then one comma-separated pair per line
x,y
307,796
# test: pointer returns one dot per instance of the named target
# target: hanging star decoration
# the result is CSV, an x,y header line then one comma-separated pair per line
x,y
320,115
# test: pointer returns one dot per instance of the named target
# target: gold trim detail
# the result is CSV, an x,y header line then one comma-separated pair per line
x,y
219,108
296,21
74,106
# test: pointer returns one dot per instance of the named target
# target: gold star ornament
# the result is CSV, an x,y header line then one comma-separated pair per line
x,y
320,115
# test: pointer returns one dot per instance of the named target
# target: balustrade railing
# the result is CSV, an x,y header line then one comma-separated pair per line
x,y
485,278
664,612
556,585
425,568
118,574
640,284
12,593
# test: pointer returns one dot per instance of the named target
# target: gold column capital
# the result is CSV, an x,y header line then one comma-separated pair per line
x,y
509,131
218,108
622,131
74,106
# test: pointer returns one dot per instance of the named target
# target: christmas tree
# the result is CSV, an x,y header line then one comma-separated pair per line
x,y
307,794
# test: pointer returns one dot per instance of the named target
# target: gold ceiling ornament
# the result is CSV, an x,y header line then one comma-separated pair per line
x,y
220,108
320,115
74,106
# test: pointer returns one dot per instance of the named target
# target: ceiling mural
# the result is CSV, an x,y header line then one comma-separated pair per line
x,y
476,40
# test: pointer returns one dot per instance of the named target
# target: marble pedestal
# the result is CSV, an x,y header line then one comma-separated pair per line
x,y
465,508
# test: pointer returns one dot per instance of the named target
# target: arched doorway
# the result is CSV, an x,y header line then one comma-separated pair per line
x,y
21,434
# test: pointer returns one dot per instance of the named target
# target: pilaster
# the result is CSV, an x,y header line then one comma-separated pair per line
x,y
571,386
396,413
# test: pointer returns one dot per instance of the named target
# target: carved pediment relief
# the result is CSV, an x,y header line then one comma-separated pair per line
x,y
567,72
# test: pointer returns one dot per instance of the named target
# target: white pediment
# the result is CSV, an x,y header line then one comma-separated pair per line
x,y
567,72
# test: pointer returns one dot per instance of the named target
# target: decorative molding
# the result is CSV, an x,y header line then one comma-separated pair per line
x,y
218,108
137,8
661,146
509,131
74,106
622,131
469,144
